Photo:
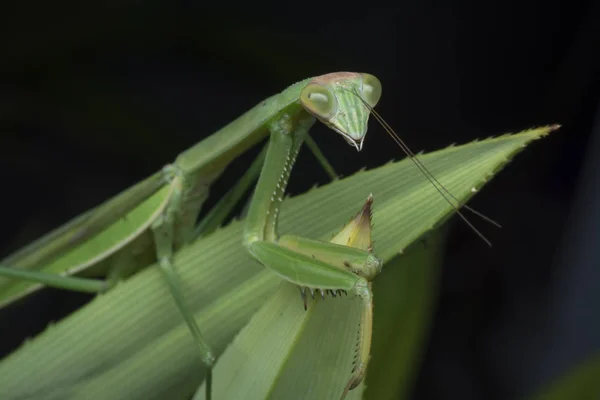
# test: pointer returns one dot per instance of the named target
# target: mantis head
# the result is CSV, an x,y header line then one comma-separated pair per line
x,y
343,102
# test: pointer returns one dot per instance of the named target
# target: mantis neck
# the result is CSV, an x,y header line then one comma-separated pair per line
x,y
287,130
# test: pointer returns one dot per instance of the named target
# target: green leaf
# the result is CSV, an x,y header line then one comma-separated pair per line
x,y
581,383
132,343
405,297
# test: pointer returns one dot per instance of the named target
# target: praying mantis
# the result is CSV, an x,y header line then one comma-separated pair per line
x,y
156,217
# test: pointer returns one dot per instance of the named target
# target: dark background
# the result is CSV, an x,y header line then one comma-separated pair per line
x,y
96,97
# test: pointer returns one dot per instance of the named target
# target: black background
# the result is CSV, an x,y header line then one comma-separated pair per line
x,y
95,97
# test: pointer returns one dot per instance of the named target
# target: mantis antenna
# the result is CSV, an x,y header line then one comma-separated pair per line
x,y
375,85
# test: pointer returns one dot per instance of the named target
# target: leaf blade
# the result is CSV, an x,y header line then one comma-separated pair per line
x,y
136,325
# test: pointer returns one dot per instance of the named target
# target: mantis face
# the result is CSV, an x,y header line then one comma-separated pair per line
x,y
342,101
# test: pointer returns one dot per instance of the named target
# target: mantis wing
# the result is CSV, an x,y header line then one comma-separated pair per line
x,y
104,230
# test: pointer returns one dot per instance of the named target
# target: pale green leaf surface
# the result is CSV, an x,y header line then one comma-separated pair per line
x,y
132,343
286,352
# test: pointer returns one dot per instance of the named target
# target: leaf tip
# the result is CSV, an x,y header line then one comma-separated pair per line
x,y
542,131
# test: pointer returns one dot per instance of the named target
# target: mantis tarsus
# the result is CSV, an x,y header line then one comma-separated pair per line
x,y
172,198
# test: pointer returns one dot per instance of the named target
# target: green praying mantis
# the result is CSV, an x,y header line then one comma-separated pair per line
x,y
156,217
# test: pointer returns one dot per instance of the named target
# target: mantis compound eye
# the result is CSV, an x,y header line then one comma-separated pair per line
x,y
319,101
371,89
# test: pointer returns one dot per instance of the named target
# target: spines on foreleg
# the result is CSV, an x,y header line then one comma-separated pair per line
x,y
363,343
324,292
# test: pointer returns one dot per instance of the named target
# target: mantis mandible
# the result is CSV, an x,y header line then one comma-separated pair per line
x,y
170,200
